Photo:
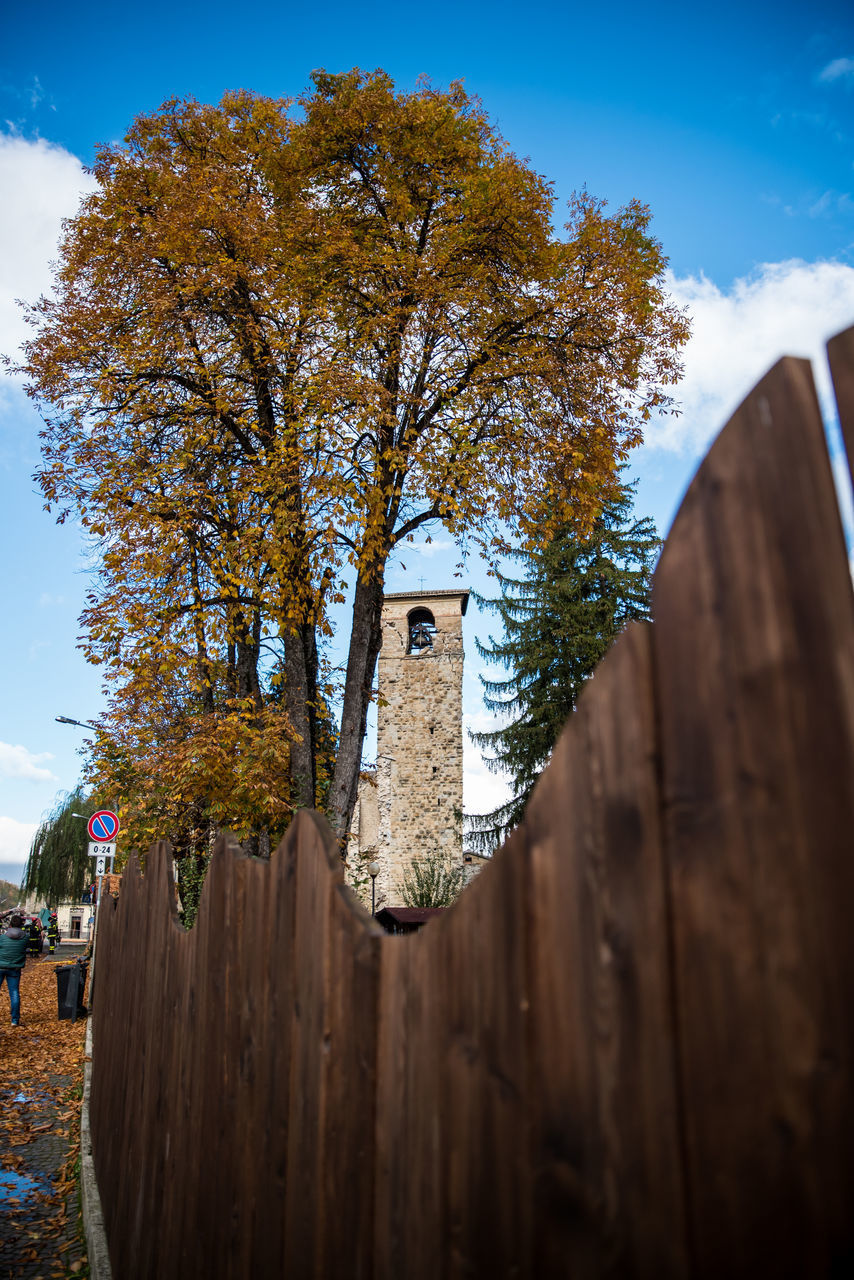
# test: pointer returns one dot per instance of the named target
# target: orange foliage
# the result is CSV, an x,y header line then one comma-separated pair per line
x,y
282,341
193,774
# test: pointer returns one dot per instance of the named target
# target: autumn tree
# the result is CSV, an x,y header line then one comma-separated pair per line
x,y
577,592
10,895
284,338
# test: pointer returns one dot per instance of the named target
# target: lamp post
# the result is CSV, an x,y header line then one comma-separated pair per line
x,y
373,872
94,906
82,723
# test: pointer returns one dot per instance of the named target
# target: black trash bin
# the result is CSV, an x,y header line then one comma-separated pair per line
x,y
70,983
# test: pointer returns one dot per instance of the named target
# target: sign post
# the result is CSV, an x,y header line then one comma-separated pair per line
x,y
103,828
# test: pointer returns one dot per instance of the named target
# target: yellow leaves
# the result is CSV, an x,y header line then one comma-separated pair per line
x,y
231,767
277,345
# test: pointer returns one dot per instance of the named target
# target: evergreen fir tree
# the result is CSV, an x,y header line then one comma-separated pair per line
x,y
560,617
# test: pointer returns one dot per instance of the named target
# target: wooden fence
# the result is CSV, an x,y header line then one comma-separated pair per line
x,y
626,1051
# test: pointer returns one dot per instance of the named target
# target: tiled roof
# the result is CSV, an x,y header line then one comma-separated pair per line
x,y
410,915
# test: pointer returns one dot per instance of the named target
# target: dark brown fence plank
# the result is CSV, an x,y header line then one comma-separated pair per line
x,y
753,642
420,1130
305,1211
245,974
275,943
156,1030
349,1066
174,995
392,1161
199,1072
607,1191
215,946
486,1178
840,354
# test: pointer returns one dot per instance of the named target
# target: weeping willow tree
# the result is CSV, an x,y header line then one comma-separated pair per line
x,y
58,867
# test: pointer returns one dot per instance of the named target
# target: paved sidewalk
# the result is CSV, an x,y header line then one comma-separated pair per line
x,y
41,1075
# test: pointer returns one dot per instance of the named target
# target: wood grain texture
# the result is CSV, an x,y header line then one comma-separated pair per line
x,y
607,1194
625,1052
840,354
753,641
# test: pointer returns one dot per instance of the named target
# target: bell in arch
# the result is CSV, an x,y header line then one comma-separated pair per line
x,y
422,629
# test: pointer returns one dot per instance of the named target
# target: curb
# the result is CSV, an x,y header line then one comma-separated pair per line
x,y
93,1217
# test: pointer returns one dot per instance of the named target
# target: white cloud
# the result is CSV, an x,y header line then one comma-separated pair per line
x,y
431,547
19,762
15,839
784,308
838,69
41,184
483,790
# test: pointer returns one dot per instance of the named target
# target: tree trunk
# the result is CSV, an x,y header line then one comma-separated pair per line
x,y
361,663
246,669
300,699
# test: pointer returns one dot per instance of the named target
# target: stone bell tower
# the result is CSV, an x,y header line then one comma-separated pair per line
x,y
419,732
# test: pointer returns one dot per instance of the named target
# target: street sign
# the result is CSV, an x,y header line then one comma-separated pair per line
x,y
103,825
100,866
100,849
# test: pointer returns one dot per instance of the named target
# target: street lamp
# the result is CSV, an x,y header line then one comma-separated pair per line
x,y
373,872
82,723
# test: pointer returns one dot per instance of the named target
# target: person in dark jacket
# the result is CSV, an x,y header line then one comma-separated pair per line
x,y
13,955
53,934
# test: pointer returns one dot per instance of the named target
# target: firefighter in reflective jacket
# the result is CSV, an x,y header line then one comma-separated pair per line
x,y
34,944
53,933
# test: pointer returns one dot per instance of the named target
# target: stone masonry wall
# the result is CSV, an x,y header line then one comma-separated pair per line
x,y
419,738
412,805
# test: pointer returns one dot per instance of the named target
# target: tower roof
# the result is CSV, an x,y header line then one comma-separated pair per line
x,y
462,596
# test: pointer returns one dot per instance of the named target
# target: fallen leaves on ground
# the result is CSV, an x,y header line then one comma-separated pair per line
x,y
41,1086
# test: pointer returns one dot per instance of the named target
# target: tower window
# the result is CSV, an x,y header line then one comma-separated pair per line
x,y
422,629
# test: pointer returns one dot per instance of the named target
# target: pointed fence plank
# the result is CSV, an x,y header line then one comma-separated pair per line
x,y
754,644
350,1084
608,1180
305,1208
392,1162
840,353
484,1078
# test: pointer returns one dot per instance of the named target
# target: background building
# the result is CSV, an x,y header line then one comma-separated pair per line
x,y
411,807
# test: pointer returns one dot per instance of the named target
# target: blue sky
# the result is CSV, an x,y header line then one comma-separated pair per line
x,y
737,127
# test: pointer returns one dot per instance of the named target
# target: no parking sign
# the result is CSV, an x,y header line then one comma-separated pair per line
x,y
103,826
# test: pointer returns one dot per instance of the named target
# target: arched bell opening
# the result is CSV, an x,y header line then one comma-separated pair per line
x,y
422,629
